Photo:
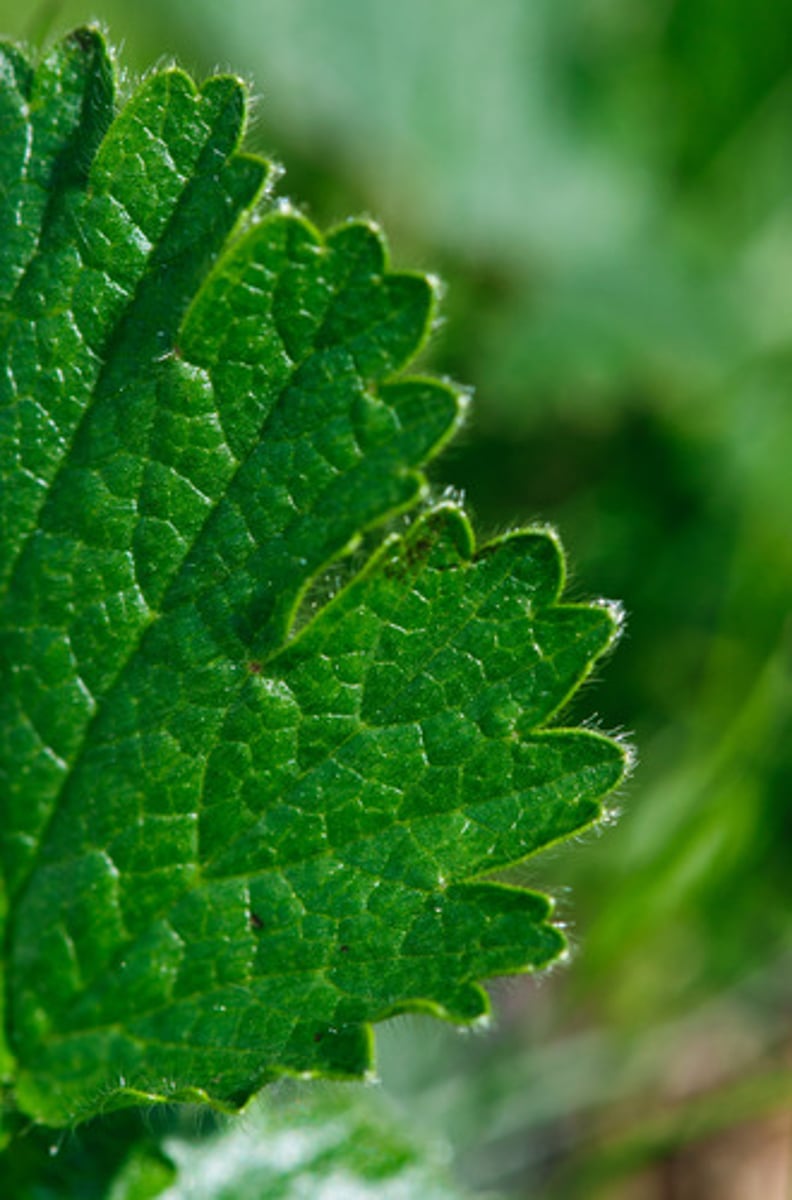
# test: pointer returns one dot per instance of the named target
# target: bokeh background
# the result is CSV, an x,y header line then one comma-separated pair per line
x,y
606,188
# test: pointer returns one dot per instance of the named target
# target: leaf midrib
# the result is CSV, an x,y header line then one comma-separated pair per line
x,y
108,366
115,346
156,613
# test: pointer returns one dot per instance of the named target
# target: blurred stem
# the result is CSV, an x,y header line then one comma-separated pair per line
x,y
691,799
748,728
740,616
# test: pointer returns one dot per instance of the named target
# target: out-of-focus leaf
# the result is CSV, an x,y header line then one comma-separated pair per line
x,y
315,1142
331,1144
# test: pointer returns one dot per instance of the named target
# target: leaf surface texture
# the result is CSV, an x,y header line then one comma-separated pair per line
x,y
239,826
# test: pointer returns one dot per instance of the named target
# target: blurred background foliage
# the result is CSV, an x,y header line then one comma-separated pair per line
x,y
606,188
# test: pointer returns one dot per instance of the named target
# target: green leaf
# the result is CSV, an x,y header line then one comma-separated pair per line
x,y
235,830
329,1142
111,1158
336,1144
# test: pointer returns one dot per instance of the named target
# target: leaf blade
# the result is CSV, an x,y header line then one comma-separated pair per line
x,y
232,839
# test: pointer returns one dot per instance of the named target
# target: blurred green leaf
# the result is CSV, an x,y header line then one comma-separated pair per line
x,y
323,1142
330,1145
